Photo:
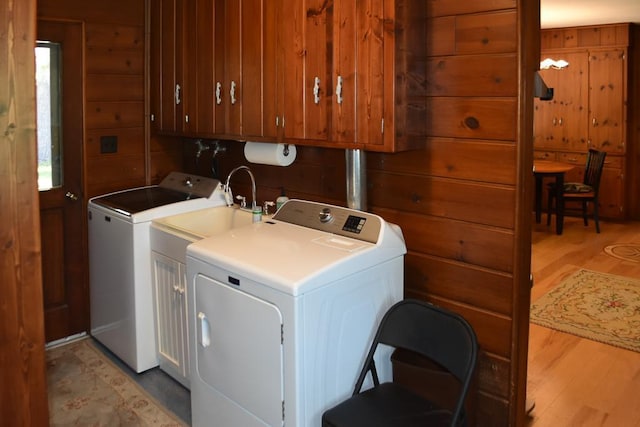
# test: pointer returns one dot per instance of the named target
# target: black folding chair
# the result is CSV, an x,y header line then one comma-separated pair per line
x,y
433,332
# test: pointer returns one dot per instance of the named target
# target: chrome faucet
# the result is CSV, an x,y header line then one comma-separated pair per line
x,y
227,189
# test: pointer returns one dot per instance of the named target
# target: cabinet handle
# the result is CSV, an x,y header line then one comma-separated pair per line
x,y
316,90
339,90
594,122
560,121
555,121
218,93
232,92
177,94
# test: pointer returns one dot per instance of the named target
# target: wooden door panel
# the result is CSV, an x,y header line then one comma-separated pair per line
x,y
167,113
232,89
65,284
343,105
606,91
314,50
370,72
251,94
219,61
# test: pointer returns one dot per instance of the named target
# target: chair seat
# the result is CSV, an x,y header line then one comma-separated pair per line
x,y
573,187
386,405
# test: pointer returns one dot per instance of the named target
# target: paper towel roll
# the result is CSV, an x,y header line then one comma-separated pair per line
x,y
270,154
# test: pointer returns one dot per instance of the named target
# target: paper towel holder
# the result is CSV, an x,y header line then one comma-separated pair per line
x,y
285,150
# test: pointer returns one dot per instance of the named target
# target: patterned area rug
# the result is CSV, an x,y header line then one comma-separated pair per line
x,y
627,251
601,307
87,389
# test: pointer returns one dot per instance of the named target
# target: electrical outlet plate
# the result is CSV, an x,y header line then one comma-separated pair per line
x,y
108,144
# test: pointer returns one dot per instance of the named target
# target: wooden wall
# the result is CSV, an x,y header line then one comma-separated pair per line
x,y
463,201
23,398
114,54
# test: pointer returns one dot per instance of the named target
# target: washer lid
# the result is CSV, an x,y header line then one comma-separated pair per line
x,y
175,187
136,200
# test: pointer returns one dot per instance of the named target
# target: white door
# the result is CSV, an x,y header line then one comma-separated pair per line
x,y
239,350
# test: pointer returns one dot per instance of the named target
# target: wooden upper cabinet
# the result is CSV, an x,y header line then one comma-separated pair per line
x,y
346,69
244,75
180,33
166,82
340,74
562,122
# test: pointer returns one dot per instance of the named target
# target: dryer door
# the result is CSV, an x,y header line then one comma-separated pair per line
x,y
239,351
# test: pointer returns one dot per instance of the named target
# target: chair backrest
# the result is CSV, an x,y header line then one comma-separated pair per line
x,y
593,169
436,333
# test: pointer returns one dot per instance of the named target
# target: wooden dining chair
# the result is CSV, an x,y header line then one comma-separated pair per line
x,y
584,192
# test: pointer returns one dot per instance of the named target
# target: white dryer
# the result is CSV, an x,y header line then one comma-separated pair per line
x,y
284,312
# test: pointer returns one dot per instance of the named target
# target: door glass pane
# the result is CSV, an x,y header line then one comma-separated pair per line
x,y
48,97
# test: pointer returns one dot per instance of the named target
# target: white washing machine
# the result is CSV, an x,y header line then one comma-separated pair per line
x,y
121,296
284,312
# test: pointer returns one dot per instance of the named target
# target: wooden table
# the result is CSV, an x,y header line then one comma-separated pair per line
x,y
551,169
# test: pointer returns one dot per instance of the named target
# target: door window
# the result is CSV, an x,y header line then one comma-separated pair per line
x,y
49,119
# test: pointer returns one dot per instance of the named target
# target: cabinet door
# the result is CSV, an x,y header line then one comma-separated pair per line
x,y
169,288
607,100
258,61
170,77
200,95
155,53
227,68
304,77
561,123
358,71
612,187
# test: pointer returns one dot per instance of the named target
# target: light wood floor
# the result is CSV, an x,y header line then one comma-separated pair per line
x,y
575,381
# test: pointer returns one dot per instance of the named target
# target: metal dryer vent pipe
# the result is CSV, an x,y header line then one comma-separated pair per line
x,y
356,167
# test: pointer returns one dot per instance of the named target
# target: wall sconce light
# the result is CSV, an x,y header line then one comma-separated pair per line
x,y
551,63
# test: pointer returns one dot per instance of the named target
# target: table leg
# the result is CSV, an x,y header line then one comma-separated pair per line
x,y
538,179
559,202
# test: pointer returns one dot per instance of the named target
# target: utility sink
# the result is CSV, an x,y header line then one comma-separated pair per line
x,y
204,223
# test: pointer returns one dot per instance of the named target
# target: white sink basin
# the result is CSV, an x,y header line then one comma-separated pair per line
x,y
204,223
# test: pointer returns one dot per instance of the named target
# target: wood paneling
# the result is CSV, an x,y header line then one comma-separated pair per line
x,y
115,12
439,197
465,159
462,199
461,117
114,49
22,359
453,240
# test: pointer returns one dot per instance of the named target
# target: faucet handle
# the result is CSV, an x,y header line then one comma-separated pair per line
x,y
243,201
266,207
